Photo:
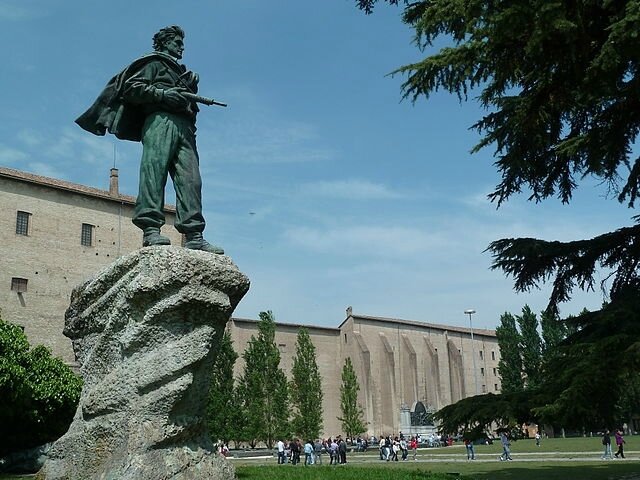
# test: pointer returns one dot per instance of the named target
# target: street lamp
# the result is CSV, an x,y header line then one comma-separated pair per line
x,y
471,311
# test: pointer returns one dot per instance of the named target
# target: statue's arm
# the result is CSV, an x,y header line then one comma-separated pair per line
x,y
141,87
151,85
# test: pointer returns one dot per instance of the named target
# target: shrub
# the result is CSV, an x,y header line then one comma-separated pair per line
x,y
38,392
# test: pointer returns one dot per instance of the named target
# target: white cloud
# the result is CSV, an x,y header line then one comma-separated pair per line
x,y
366,240
12,12
353,189
12,156
269,142
251,132
30,138
45,169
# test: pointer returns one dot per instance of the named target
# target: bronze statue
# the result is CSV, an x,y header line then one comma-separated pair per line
x,y
154,100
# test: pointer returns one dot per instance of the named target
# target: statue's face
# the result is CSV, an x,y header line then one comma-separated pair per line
x,y
175,47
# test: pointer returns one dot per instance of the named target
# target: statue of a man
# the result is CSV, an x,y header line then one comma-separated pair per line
x,y
144,103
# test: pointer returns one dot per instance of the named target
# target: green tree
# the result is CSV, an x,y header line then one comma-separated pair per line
x,y
306,389
559,85
554,331
510,364
352,417
240,431
38,393
530,347
222,410
263,387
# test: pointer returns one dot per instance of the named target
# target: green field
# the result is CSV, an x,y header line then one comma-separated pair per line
x,y
555,459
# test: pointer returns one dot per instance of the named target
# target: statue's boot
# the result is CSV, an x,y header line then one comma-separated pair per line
x,y
152,237
196,242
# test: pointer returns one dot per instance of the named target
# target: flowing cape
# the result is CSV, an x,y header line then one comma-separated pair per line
x,y
111,113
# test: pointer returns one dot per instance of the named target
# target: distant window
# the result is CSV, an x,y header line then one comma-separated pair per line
x,y
495,371
495,387
484,389
481,355
345,338
86,237
493,355
482,371
22,223
19,285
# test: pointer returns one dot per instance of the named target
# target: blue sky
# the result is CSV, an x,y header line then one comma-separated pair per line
x,y
324,187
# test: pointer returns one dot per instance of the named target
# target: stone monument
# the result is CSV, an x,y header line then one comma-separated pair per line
x,y
145,331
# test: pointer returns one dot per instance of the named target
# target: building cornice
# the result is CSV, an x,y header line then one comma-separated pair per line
x,y
292,325
70,187
450,328
434,326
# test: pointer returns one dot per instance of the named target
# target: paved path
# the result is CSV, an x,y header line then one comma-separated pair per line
x,y
460,457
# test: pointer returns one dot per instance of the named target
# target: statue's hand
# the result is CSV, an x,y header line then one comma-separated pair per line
x,y
191,79
173,99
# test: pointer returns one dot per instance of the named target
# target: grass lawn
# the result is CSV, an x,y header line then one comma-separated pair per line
x,y
555,459
446,471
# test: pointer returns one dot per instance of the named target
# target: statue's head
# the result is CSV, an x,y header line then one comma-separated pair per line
x,y
169,40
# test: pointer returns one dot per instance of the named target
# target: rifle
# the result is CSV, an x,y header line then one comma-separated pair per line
x,y
199,99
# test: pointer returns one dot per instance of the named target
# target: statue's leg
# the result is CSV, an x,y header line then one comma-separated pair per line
x,y
188,184
160,139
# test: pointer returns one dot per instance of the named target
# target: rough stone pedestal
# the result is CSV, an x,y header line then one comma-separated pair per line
x,y
145,331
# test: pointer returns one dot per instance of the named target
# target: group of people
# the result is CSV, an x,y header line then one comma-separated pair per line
x,y
391,448
290,452
606,442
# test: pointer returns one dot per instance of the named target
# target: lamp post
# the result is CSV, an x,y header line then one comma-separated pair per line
x,y
471,311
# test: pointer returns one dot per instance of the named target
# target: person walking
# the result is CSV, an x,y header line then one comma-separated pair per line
x,y
506,444
414,446
295,451
333,452
404,448
308,453
384,449
280,445
342,450
606,441
471,454
620,443
395,448
318,447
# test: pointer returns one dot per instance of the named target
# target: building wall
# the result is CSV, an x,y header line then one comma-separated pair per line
x,y
325,341
51,256
398,363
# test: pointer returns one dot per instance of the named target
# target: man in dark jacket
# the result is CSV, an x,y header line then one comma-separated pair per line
x,y
145,102
342,450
